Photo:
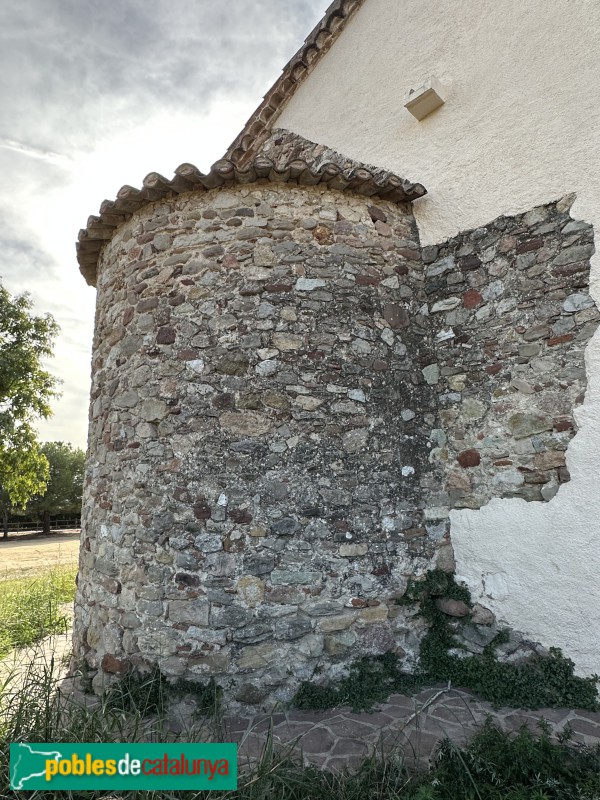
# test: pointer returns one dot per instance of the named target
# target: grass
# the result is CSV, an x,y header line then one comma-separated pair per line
x,y
30,608
494,766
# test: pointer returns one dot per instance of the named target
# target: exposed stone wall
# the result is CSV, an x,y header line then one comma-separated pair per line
x,y
259,478
288,397
511,316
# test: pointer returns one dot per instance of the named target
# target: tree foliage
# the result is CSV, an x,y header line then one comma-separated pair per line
x,y
65,482
26,389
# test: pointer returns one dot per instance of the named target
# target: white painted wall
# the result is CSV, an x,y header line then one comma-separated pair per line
x,y
521,127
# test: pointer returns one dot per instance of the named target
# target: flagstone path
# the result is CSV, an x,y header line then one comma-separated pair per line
x,y
410,727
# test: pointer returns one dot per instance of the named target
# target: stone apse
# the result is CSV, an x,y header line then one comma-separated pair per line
x,y
290,395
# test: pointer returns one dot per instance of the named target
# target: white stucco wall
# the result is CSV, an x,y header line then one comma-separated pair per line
x,y
521,127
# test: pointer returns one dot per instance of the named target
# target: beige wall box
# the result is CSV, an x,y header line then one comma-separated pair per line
x,y
425,98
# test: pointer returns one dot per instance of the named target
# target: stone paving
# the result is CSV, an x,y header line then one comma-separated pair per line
x,y
410,727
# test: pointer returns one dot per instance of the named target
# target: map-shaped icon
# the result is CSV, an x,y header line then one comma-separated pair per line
x,y
27,763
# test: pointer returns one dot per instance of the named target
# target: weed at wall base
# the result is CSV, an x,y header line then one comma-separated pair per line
x,y
542,682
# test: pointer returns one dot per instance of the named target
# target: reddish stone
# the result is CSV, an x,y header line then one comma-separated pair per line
x,y
380,366
316,355
571,269
469,458
134,445
383,229
187,355
178,300
202,510
566,337
493,369
381,570
563,425
396,316
453,608
367,280
412,255
278,288
188,282
230,262
357,602
165,336
564,476
323,235
504,462
128,315
114,665
472,298
401,269
376,214
241,516
341,525
532,244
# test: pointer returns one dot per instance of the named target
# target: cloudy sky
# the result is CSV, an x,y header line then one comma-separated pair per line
x,y
97,95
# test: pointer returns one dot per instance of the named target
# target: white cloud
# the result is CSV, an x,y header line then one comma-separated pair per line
x,y
93,100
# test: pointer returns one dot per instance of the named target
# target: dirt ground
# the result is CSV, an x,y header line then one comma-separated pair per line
x,y
25,555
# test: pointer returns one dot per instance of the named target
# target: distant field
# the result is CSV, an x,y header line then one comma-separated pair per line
x,y
25,557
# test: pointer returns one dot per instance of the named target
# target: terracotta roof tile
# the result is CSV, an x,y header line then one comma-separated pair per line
x,y
319,165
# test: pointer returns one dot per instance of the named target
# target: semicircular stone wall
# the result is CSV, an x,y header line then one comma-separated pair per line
x,y
258,441
288,397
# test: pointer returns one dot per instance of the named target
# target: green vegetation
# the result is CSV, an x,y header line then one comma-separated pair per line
x,y
26,390
494,766
30,608
542,682
152,693
63,493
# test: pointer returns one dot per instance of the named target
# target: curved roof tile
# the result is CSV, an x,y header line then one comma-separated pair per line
x,y
294,160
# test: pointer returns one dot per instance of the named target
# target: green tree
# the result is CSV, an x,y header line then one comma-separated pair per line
x,y
65,483
24,471
26,389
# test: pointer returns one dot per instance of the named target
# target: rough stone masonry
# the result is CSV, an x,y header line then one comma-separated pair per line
x,y
289,395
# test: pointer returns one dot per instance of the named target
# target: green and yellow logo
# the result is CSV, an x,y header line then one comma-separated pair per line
x,y
123,766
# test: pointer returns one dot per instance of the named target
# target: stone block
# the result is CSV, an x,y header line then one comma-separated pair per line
x,y
189,612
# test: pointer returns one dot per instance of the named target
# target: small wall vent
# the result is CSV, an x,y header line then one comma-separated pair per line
x,y
425,98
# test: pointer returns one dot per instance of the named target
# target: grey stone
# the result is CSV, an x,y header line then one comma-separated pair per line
x,y
292,628
576,253
522,425
577,302
453,608
291,577
286,527
189,612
